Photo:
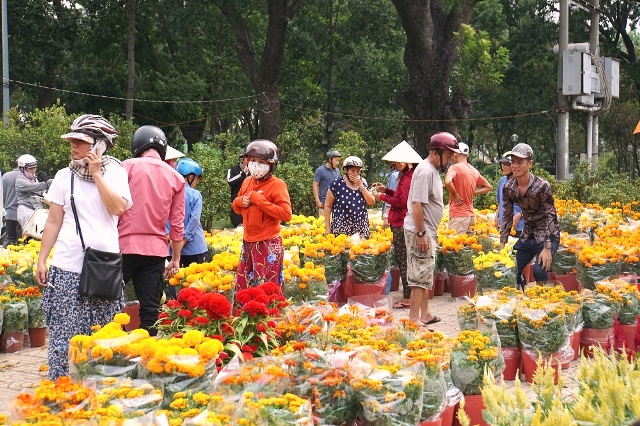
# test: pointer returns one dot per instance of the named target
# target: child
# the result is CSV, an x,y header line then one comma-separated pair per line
x,y
263,202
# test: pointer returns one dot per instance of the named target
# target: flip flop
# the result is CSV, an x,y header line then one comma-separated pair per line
x,y
433,320
400,305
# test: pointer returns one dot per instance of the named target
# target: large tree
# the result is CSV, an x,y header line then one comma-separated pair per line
x,y
263,70
430,54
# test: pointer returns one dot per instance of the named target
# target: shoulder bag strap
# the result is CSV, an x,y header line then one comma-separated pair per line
x,y
75,214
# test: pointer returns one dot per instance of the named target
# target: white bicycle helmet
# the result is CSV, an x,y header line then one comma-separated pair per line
x,y
90,127
25,161
352,161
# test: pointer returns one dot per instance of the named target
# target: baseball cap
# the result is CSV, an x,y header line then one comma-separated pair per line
x,y
463,148
522,150
505,157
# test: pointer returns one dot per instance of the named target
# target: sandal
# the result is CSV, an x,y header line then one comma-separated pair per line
x,y
400,305
433,320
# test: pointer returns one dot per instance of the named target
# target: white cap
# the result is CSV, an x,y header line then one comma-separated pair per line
x,y
78,136
172,153
463,149
402,153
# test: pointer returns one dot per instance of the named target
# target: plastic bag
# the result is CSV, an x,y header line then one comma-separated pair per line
x,y
467,315
102,357
264,374
391,399
459,263
35,312
599,311
300,291
434,396
500,313
495,278
16,316
369,268
542,328
587,276
335,266
273,409
564,261
469,361
131,396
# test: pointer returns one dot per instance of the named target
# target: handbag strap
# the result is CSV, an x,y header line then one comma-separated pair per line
x,y
75,214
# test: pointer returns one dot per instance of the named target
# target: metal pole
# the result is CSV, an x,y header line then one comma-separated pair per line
x,y
562,140
5,65
594,44
589,135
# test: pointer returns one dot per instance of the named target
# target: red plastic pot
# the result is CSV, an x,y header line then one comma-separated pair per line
x,y
395,279
436,422
569,282
574,340
11,342
37,337
473,406
630,336
447,414
133,310
512,358
591,337
462,285
439,281
530,365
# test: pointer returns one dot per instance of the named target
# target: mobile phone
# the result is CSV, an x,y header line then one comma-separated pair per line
x,y
99,149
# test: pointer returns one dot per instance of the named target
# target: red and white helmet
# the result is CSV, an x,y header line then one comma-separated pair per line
x,y
90,127
443,140
352,161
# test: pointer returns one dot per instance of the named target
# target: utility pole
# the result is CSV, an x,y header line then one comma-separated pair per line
x,y
5,65
562,140
594,47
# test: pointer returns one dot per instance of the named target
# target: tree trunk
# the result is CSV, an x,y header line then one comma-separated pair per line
x,y
263,75
430,53
131,64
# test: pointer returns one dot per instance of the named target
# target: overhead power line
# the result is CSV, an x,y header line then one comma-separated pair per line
x,y
317,111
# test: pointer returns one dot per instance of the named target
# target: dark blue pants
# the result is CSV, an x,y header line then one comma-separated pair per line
x,y
526,251
148,283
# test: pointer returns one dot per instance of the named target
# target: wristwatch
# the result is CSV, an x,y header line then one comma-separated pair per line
x,y
421,233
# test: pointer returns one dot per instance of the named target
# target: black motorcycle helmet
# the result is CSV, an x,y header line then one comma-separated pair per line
x,y
147,137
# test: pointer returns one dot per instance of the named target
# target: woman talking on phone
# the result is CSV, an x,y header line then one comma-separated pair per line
x,y
345,209
101,194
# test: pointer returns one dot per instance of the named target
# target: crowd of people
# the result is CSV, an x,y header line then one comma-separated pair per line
x,y
148,209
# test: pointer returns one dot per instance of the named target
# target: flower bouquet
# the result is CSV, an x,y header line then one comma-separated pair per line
x,y
108,351
501,310
126,397
494,271
431,352
306,321
542,325
333,397
194,309
182,364
369,259
467,315
59,402
215,276
630,306
329,251
564,261
34,308
458,253
598,262
472,354
197,408
391,395
599,310
274,410
16,315
305,284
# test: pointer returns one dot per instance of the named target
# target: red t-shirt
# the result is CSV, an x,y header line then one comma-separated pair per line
x,y
465,179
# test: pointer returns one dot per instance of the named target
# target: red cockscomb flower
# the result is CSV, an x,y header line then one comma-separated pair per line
x,y
201,320
252,294
185,313
271,289
216,305
191,296
261,327
227,330
255,308
163,315
173,304
247,356
248,348
218,336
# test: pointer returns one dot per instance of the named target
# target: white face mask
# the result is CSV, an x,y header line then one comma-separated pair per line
x,y
258,170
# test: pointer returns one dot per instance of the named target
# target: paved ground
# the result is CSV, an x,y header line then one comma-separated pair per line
x,y
21,371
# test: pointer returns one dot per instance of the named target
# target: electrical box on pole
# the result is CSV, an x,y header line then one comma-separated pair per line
x,y
576,73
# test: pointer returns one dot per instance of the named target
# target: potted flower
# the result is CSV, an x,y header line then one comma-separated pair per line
x,y
274,410
36,321
599,311
330,251
494,270
368,259
15,323
305,284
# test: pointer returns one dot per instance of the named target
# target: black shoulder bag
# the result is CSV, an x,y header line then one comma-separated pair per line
x,y
101,276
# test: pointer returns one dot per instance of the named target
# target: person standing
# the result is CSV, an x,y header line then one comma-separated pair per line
x,y
463,181
425,206
323,177
264,202
345,209
405,159
392,184
541,234
28,189
158,195
101,194
518,220
195,248
235,177
172,156
10,201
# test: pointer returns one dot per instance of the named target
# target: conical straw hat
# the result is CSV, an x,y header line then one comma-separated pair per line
x,y
402,153
172,153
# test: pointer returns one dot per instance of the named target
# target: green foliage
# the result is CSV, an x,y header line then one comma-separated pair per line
x,y
299,179
351,143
